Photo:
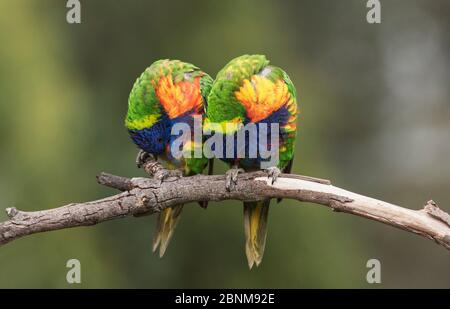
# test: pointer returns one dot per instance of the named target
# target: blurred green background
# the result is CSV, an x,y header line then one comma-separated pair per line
x,y
375,119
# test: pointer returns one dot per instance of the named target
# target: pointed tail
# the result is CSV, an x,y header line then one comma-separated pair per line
x,y
166,222
255,224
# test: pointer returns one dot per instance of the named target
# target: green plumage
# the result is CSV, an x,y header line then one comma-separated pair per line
x,y
222,103
143,101
224,106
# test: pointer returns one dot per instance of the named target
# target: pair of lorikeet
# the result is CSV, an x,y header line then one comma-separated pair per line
x,y
247,90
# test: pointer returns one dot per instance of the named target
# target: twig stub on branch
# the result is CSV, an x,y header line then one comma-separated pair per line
x,y
433,210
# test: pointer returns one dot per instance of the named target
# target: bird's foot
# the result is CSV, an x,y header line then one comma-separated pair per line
x,y
231,177
156,169
143,157
273,173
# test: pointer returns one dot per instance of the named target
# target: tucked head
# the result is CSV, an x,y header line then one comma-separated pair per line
x,y
153,139
165,91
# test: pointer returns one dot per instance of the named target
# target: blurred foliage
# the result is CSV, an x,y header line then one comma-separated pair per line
x,y
63,96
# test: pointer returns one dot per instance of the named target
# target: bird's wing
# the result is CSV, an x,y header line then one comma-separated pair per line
x,y
223,105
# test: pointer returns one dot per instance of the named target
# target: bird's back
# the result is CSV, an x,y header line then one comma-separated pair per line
x,y
250,90
167,92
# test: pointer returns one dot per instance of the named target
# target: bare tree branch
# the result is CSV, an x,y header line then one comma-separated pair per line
x,y
148,195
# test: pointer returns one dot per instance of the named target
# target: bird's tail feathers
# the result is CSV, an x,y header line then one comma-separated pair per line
x,y
255,224
166,222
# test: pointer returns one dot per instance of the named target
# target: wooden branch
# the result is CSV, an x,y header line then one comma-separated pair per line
x,y
149,195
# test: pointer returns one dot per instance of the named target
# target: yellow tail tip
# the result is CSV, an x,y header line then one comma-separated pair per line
x,y
166,222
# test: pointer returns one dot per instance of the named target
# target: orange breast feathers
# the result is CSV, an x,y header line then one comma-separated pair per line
x,y
261,97
180,97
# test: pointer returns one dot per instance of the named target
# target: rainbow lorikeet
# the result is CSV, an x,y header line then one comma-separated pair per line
x,y
169,92
250,91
